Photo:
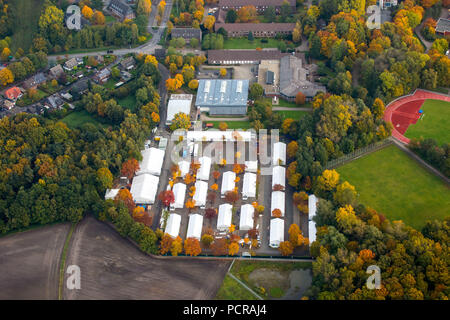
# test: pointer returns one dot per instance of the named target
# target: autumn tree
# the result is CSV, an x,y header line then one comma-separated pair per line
x,y
233,248
207,240
286,248
223,72
247,14
125,196
223,126
292,149
190,204
165,244
193,84
87,12
216,175
192,247
6,77
176,247
129,168
210,213
231,196
167,197
180,121
151,59
98,18
208,23
328,180
219,247
378,108
104,178
300,98
211,197
276,213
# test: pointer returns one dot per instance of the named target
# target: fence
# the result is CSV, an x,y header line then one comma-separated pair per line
x,y
358,153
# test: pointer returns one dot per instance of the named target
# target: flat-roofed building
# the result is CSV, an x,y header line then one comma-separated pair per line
x,y
259,30
178,103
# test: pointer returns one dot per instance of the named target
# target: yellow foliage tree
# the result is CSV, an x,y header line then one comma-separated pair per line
x,y
233,249
151,59
87,12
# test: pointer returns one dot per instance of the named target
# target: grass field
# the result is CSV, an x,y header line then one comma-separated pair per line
x,y
128,102
244,43
77,118
396,185
434,123
232,290
296,115
26,22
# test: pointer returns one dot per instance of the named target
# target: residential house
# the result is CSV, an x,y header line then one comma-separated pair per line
x,y
56,71
121,10
187,34
54,102
70,64
127,64
34,81
6,104
443,26
384,4
125,76
80,87
13,94
259,30
260,5
102,76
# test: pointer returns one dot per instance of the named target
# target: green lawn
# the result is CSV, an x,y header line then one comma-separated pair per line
x,y
128,102
26,22
232,290
244,43
296,115
434,123
77,118
396,185
232,124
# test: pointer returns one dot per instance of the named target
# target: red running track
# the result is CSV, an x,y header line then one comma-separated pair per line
x,y
404,111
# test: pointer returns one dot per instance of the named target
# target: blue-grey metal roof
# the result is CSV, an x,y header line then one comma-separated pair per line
x,y
218,93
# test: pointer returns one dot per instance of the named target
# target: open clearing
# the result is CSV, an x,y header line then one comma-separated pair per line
x,y
244,43
29,263
26,22
77,118
396,185
271,280
113,268
434,123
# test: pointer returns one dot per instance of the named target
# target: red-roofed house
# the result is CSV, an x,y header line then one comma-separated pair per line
x,y
13,94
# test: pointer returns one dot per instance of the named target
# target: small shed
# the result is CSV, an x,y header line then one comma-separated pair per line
x,y
278,201
276,232
224,217
111,194
195,226
173,225
184,167
246,220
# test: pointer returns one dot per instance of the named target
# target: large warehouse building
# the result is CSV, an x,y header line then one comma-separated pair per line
x,y
222,97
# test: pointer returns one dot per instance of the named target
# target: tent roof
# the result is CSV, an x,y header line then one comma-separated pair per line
x,y
224,217
279,153
279,176
228,181
246,221
278,201
179,190
312,206
184,167
144,188
111,193
249,185
276,231
216,135
311,231
173,225
201,190
251,166
195,226
205,168
152,161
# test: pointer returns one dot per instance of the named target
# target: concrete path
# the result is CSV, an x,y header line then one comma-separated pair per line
x,y
206,118
245,286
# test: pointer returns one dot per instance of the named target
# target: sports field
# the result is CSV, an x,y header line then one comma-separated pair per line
x,y
434,122
397,186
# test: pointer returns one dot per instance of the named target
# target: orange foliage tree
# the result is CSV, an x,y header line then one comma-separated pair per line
x,y
125,196
286,248
129,168
192,247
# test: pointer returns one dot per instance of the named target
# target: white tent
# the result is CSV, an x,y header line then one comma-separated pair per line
x,y
111,193
178,103
312,206
278,201
179,191
173,225
144,188
184,167
228,181
251,166
216,135
201,189
195,226
279,176
246,221
311,232
249,186
224,217
152,161
205,168
279,153
276,232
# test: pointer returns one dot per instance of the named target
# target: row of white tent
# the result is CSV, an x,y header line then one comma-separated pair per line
x,y
225,216
248,188
279,154
203,171
195,225
179,191
312,208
